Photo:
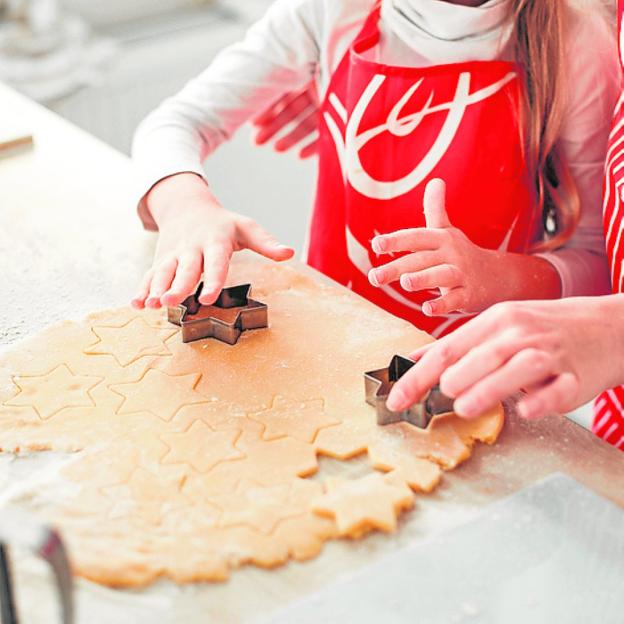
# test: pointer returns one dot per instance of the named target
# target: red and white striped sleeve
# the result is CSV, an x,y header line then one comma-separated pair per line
x,y
609,408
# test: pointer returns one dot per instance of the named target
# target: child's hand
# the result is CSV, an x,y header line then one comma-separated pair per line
x,y
562,353
470,278
197,235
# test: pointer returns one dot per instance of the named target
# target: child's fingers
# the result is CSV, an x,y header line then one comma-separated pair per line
x,y
259,240
412,239
440,276
412,263
528,367
163,276
309,150
216,264
305,128
291,111
434,204
186,278
452,301
138,301
554,397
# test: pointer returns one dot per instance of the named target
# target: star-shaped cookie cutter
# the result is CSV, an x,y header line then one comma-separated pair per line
x,y
225,320
378,384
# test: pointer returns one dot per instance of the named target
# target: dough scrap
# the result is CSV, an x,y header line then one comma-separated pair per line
x,y
191,460
361,505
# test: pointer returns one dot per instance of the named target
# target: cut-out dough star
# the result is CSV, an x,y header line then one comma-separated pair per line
x,y
129,342
159,393
263,507
201,447
50,393
359,505
301,420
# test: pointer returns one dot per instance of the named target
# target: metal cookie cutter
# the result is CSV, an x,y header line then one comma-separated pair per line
x,y
226,319
378,385
43,541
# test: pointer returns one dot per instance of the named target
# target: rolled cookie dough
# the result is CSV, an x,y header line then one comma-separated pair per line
x,y
190,460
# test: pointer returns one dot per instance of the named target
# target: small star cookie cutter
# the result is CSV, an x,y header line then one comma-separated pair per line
x,y
21,530
378,384
225,320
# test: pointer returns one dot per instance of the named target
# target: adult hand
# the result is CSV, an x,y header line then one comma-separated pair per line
x,y
197,235
299,110
561,353
470,278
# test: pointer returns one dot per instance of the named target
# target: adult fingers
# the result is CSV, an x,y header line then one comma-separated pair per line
x,y
311,149
411,239
187,275
216,264
256,238
291,112
452,301
440,276
433,359
305,128
424,375
161,281
138,301
480,361
269,113
416,355
528,367
434,204
560,395
392,271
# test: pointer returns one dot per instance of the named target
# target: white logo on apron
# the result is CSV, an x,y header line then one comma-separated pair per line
x,y
348,148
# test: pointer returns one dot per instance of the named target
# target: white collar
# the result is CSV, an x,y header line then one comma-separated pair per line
x,y
445,33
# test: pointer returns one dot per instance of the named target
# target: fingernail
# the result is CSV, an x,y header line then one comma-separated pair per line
x,y
378,245
406,283
427,309
373,277
465,408
396,401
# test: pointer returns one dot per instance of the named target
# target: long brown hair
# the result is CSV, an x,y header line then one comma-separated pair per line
x,y
539,46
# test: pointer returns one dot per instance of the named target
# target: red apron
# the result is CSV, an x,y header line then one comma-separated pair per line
x,y
609,414
385,132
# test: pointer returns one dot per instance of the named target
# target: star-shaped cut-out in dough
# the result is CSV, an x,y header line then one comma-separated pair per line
x,y
201,447
127,343
301,420
360,505
161,394
263,507
50,393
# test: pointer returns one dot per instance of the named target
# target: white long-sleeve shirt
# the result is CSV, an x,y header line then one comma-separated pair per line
x,y
298,40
